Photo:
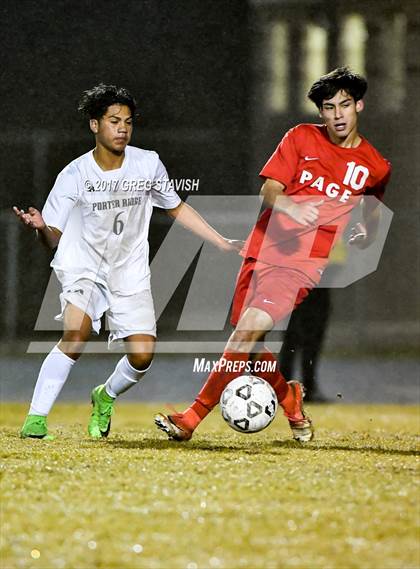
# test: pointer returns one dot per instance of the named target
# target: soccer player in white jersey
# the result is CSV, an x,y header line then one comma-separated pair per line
x,y
97,216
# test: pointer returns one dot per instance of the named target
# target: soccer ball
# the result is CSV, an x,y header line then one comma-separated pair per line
x,y
248,404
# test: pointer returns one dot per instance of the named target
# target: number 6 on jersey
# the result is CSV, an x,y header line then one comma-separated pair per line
x,y
118,224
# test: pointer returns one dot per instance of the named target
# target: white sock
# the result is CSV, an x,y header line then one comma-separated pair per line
x,y
52,376
123,377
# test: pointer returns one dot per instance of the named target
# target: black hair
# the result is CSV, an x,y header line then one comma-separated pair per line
x,y
341,78
95,102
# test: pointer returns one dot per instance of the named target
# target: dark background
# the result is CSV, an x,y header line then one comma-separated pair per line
x,y
200,73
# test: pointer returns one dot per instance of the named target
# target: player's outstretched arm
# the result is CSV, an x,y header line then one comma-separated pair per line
x,y
273,196
50,236
189,218
363,234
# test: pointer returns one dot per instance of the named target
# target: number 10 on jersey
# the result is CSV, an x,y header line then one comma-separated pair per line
x,y
356,176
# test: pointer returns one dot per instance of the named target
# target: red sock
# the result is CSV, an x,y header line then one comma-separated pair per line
x,y
274,378
230,365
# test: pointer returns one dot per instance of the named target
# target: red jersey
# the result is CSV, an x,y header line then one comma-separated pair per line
x,y
313,168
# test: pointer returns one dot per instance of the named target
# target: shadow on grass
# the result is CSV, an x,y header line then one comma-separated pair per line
x,y
316,445
248,447
197,445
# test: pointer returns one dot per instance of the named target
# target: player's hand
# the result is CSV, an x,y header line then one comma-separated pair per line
x,y
32,218
305,213
231,245
358,236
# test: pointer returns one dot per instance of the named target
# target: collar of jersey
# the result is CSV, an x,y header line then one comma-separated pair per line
x,y
108,173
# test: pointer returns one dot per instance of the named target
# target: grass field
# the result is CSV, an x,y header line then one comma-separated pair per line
x,y
348,500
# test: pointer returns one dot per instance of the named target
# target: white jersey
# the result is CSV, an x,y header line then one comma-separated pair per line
x,y
104,217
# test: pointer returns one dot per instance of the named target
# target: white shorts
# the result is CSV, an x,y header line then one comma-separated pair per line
x,y
126,315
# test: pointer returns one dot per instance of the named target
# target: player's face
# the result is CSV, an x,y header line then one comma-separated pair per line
x,y
340,115
113,131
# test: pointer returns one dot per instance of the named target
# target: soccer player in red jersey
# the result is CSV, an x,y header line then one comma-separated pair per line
x,y
315,177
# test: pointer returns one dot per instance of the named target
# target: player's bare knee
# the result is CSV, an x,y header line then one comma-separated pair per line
x,y
256,321
73,343
72,350
75,336
141,361
242,341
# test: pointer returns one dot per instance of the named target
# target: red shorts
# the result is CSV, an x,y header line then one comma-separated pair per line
x,y
275,290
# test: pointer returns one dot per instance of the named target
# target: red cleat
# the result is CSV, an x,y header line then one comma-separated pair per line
x,y
299,422
174,426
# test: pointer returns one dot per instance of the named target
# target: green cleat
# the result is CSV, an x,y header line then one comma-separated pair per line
x,y
103,407
35,427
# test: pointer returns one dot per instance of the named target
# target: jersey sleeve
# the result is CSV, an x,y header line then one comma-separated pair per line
x,y
60,201
379,189
163,193
282,164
